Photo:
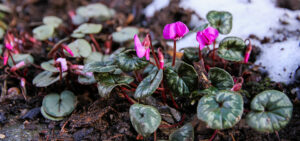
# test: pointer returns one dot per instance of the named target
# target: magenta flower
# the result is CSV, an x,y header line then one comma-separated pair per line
x,y
63,64
161,59
65,47
18,66
5,57
142,49
248,52
9,41
207,37
175,31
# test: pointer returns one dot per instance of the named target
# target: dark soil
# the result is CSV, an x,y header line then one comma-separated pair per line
x,y
96,118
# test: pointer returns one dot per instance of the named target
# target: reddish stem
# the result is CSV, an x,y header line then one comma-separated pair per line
x,y
95,42
174,54
214,135
138,76
127,97
174,103
200,54
153,53
174,125
12,58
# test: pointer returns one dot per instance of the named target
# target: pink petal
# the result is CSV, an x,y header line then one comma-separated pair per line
x,y
246,58
140,50
5,57
18,66
148,54
161,59
181,29
63,63
8,45
169,31
211,34
68,50
201,39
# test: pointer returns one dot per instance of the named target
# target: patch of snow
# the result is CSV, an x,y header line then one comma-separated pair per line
x,y
155,6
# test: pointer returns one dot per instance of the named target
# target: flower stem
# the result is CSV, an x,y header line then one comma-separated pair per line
x,y
213,136
153,53
200,54
174,54
95,42
174,103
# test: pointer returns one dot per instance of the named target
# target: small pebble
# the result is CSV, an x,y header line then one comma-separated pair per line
x,y
2,136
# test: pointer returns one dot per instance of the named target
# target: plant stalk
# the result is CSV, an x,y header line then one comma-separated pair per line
x,y
214,135
174,54
153,53
95,42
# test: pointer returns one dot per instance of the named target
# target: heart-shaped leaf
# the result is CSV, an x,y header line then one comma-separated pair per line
x,y
43,32
107,82
271,110
100,67
232,49
49,116
52,20
128,61
27,58
190,55
46,78
181,79
49,66
200,28
59,105
94,57
185,133
96,10
145,119
220,78
125,34
221,20
80,48
149,84
88,28
209,91
220,111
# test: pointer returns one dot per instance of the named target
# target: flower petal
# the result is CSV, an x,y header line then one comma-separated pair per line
x,y
140,50
201,39
148,54
169,31
211,34
181,29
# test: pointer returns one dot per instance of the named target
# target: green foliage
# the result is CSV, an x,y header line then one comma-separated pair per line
x,y
49,66
271,110
88,28
190,55
46,78
125,34
128,61
181,79
222,110
185,133
52,20
145,119
27,58
232,49
220,78
43,32
221,20
80,48
96,11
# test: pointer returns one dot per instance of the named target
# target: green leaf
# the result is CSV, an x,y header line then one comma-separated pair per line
x,y
2,32
107,82
190,55
149,84
220,111
80,48
209,91
97,11
128,61
49,66
27,58
1,48
52,20
5,8
77,35
221,20
88,28
46,78
94,57
232,49
145,119
49,116
185,133
100,67
59,105
220,78
271,110
200,28
181,79
86,80
125,34
43,32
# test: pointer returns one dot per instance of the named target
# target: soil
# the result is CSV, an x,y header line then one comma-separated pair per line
x,y
97,118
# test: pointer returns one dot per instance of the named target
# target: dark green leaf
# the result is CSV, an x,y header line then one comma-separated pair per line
x,y
220,78
128,61
149,84
232,49
59,105
200,28
221,20
100,67
190,55
185,133
271,110
145,119
86,79
220,111
181,79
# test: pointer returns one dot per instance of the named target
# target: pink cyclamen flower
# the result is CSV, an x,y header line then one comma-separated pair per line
x,y
17,66
238,84
161,59
142,49
207,36
248,52
67,49
5,57
9,41
175,31
63,64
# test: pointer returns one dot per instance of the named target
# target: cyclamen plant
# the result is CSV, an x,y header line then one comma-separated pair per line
x,y
131,73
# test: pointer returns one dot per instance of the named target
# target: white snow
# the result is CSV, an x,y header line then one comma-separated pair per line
x,y
154,6
261,18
